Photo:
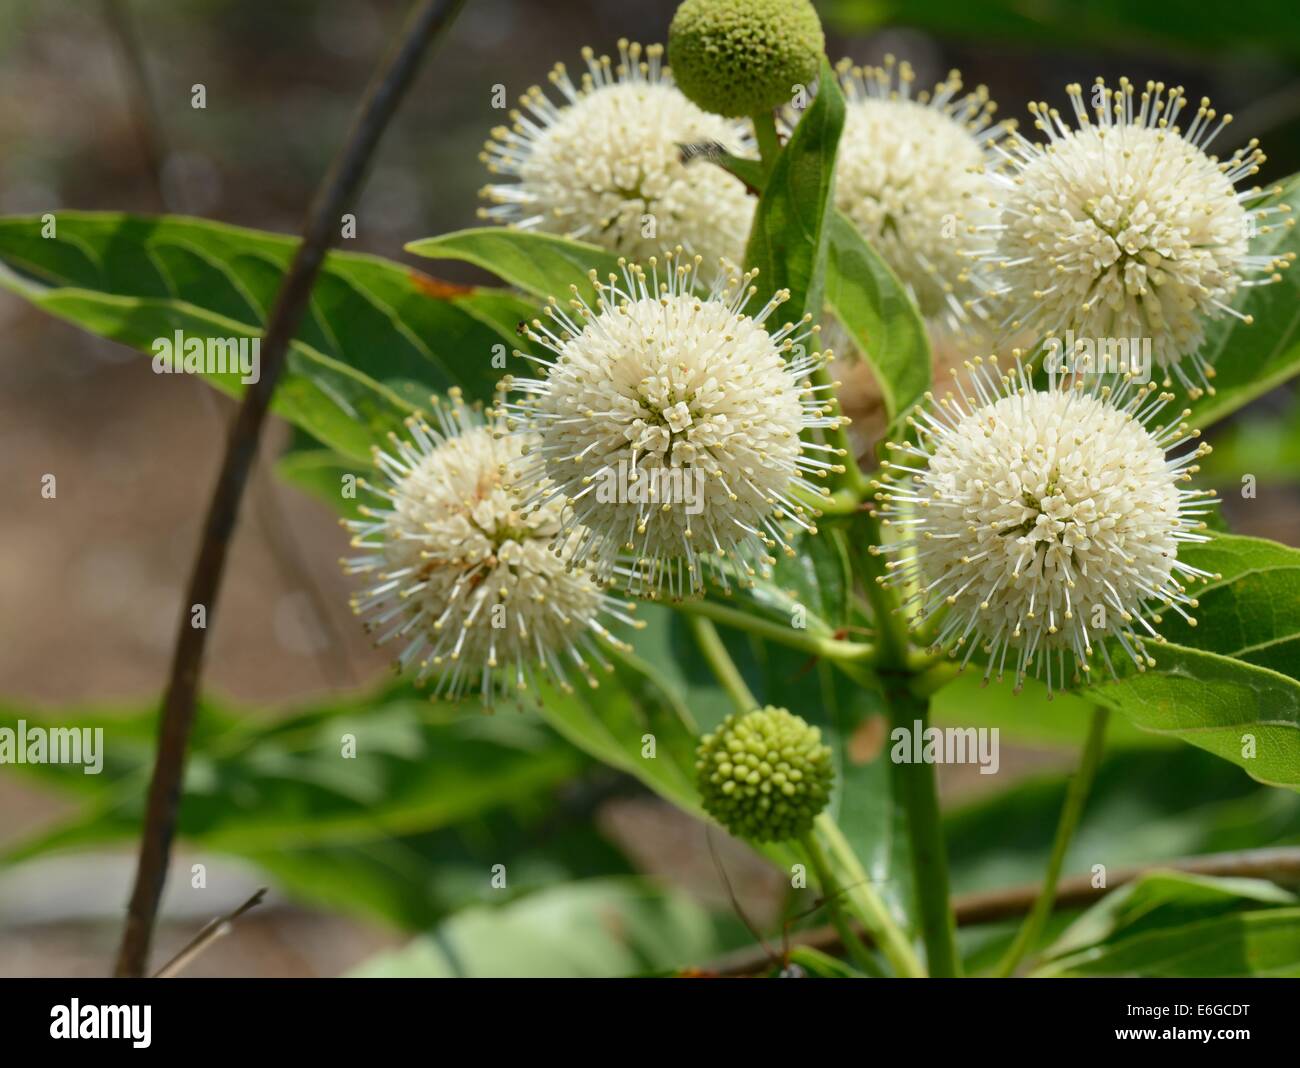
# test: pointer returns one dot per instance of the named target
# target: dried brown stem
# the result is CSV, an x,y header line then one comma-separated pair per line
x,y
218,928
428,19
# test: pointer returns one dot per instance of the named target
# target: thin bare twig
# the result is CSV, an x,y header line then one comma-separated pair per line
x,y
991,906
428,20
218,928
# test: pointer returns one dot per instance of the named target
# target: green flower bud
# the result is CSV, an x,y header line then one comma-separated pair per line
x,y
764,775
743,57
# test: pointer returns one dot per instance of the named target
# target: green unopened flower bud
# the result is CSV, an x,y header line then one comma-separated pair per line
x,y
743,57
764,775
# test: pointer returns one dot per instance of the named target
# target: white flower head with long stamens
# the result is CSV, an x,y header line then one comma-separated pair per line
x,y
1037,524
911,173
469,584
669,423
607,164
1126,228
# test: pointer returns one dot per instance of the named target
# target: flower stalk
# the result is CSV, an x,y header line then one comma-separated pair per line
x,y
1075,797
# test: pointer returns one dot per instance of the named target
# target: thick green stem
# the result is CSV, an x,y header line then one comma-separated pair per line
x,y
916,787
1075,797
891,628
724,668
768,142
871,910
832,895
792,637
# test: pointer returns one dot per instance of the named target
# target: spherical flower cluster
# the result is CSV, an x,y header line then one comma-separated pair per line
x,y
764,775
1125,228
911,175
607,164
1039,523
669,423
743,57
462,576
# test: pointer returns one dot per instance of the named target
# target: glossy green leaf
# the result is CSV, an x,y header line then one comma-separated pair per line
x,y
788,241
1245,714
634,723
872,305
1259,943
865,295
378,336
1252,610
1163,899
542,265
327,476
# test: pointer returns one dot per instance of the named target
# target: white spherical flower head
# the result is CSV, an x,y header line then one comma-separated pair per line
x,y
911,175
670,423
1041,523
606,165
465,579
1126,229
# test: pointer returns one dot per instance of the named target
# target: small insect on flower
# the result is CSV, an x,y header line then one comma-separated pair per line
x,y
1127,228
911,175
607,165
669,423
462,577
1038,524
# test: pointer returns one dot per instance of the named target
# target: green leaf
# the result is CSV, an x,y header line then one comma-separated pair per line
x,y
1163,899
324,473
789,237
626,718
378,336
542,265
1252,611
599,928
413,881
810,589
1261,943
416,768
872,305
819,965
404,832
1245,714
861,290
1251,359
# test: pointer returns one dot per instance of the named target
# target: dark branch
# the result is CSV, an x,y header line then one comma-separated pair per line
x,y
336,192
992,906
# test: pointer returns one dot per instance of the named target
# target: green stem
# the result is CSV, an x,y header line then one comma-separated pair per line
x,y
710,643
891,628
871,909
812,644
832,894
1075,797
768,142
916,787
